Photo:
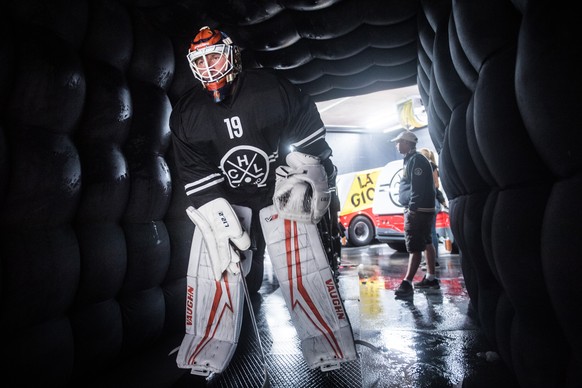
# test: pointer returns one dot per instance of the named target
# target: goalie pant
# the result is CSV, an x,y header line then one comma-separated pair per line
x,y
214,309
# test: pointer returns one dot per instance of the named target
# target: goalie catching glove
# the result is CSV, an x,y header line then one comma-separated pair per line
x,y
221,229
301,190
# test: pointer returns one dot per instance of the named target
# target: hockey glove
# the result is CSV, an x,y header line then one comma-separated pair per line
x,y
301,189
221,230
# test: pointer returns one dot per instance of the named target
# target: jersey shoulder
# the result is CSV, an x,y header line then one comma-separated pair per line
x,y
194,94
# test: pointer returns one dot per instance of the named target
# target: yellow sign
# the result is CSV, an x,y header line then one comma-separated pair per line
x,y
361,193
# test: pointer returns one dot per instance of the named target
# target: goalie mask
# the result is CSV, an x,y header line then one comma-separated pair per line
x,y
215,61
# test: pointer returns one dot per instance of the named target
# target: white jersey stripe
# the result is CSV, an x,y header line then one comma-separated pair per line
x,y
202,187
315,136
200,181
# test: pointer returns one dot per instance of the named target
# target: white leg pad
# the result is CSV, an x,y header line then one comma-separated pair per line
x,y
307,284
214,309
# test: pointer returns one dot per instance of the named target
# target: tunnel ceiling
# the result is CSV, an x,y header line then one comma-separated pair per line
x,y
330,48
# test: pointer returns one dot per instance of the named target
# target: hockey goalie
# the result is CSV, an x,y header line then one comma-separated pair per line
x,y
250,149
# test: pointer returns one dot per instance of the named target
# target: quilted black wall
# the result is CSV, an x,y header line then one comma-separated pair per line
x,y
500,83
93,236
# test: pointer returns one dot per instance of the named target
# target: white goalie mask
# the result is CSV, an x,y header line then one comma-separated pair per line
x,y
215,61
207,64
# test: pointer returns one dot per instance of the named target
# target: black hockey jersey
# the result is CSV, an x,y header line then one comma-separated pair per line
x,y
231,149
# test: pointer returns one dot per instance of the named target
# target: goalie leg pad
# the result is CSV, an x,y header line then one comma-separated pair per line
x,y
307,284
214,310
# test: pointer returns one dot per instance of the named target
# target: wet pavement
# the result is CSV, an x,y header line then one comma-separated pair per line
x,y
429,340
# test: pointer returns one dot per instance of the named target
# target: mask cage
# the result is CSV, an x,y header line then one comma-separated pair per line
x,y
211,73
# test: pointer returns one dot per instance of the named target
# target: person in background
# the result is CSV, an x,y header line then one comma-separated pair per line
x,y
417,195
439,201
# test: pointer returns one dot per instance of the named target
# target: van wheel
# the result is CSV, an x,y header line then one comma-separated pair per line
x,y
361,231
